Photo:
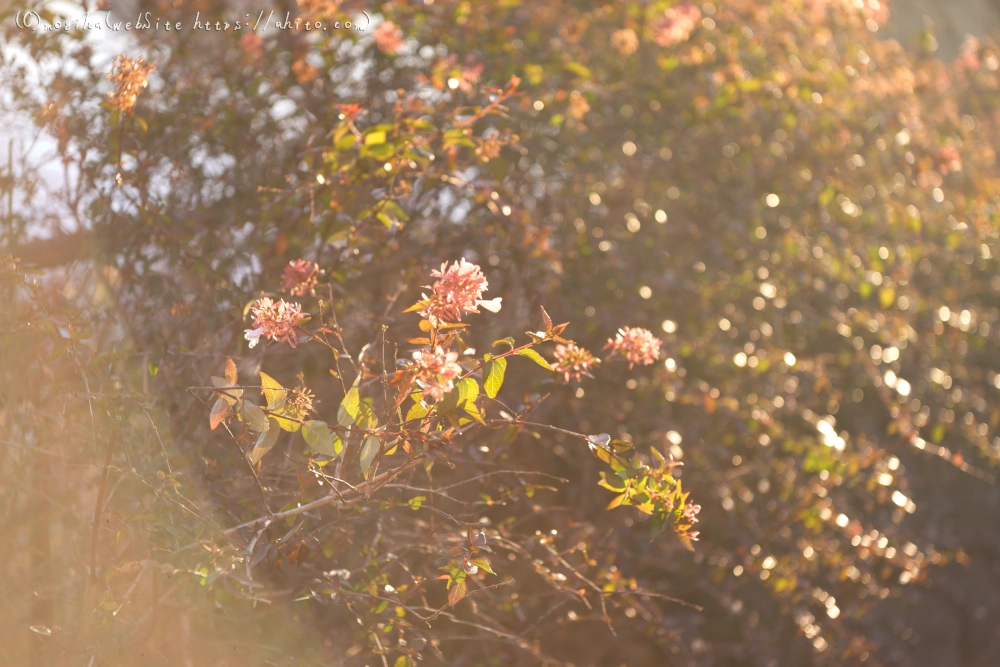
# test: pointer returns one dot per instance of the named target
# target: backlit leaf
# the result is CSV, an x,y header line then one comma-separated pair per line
x,y
317,435
368,451
273,392
220,411
265,441
347,414
534,356
254,417
493,373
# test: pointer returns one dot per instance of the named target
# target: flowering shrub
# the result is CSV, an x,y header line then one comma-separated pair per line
x,y
447,404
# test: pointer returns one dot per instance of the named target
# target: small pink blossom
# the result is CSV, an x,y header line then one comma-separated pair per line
x,y
388,38
300,277
436,371
968,57
456,292
276,321
637,345
574,361
689,514
676,25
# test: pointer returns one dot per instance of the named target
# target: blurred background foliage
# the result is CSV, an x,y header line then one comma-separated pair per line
x,y
803,211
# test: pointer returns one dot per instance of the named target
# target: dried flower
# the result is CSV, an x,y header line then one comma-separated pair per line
x,y
129,76
300,277
301,400
637,345
436,371
574,361
276,321
676,25
456,292
388,38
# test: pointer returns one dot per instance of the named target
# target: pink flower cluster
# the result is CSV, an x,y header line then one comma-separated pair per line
x,y
388,38
456,292
436,371
276,321
300,277
676,25
637,345
690,512
574,361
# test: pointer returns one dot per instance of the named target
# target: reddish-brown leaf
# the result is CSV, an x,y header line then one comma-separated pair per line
x,y
219,413
456,593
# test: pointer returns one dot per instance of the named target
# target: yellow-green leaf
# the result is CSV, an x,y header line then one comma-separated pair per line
x,y
347,414
534,356
493,373
368,451
265,441
317,435
254,417
273,392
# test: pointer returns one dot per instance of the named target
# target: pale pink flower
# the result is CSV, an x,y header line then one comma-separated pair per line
x,y
574,361
300,277
456,292
689,514
436,371
637,345
388,38
676,25
276,321
968,57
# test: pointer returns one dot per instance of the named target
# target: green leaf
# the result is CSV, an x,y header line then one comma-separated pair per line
x,y
403,661
395,210
534,356
482,564
418,410
254,417
580,70
493,373
468,390
347,414
366,418
509,340
287,424
273,392
368,451
317,435
345,143
416,501
265,441
474,412
617,500
374,138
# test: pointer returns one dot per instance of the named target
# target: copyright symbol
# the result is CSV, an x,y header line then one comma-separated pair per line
x,y
26,21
